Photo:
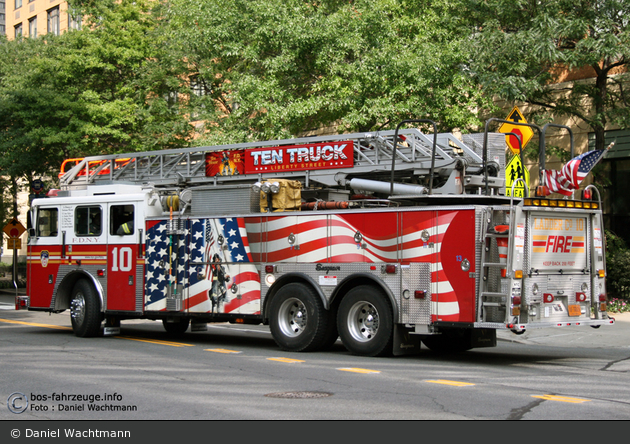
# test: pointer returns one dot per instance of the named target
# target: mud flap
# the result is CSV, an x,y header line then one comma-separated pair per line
x,y
404,342
111,327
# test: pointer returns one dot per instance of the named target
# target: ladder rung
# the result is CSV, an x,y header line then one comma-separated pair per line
x,y
488,293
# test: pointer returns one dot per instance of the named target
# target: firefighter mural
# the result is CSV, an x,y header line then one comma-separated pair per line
x,y
209,266
224,163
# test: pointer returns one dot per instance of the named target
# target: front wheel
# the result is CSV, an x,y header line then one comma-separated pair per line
x,y
298,320
85,310
365,322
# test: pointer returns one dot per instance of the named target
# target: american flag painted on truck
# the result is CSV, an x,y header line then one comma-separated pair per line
x,y
395,236
183,263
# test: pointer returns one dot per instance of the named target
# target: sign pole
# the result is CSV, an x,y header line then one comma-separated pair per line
x,y
15,258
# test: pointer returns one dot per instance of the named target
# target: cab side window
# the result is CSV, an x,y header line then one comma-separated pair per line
x,y
47,222
88,221
121,220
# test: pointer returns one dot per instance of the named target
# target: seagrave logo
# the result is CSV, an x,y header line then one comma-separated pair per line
x,y
320,267
17,402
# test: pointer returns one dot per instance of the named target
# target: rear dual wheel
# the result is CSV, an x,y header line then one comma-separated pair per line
x,y
365,322
298,320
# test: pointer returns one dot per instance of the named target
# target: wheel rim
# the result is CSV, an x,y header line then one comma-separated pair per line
x,y
292,317
77,309
362,321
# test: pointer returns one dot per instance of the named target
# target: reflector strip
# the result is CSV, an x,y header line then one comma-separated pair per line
x,y
287,360
221,350
447,382
561,398
358,370
155,341
33,324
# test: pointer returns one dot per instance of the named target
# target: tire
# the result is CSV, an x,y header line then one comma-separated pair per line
x,y
298,320
365,322
85,310
177,328
455,341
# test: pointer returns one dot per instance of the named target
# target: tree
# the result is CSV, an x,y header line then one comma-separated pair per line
x,y
521,48
273,68
92,91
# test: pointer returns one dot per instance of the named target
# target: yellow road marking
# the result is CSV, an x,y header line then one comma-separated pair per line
x,y
288,360
561,398
447,382
358,370
34,324
221,350
156,341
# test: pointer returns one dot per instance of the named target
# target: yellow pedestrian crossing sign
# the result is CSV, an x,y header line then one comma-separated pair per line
x,y
513,171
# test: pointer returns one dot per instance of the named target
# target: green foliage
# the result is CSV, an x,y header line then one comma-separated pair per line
x,y
617,265
93,91
281,68
520,47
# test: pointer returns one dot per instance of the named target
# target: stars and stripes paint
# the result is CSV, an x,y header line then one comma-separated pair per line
x,y
183,263
568,179
333,238
180,264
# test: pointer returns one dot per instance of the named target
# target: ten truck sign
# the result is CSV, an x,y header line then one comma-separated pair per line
x,y
558,243
314,156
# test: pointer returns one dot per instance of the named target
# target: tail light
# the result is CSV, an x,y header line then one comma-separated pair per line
x,y
516,300
390,269
587,194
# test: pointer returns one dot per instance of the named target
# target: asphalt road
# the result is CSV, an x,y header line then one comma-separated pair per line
x,y
236,372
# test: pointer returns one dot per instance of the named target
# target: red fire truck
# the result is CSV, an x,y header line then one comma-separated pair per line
x,y
385,240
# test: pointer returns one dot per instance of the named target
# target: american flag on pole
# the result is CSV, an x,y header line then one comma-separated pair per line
x,y
568,179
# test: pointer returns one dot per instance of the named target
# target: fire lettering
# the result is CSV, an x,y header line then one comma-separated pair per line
x,y
558,244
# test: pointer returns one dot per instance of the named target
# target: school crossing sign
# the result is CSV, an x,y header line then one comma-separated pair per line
x,y
515,170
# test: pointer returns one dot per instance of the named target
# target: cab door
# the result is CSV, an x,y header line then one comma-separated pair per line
x,y
124,268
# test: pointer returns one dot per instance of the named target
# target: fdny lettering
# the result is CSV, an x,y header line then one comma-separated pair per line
x,y
302,154
85,240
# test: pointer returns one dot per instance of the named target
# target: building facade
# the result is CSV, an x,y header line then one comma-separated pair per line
x,y
33,18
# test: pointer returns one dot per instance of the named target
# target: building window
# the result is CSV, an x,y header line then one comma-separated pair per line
x,y
18,30
32,27
615,167
74,21
53,20
18,4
